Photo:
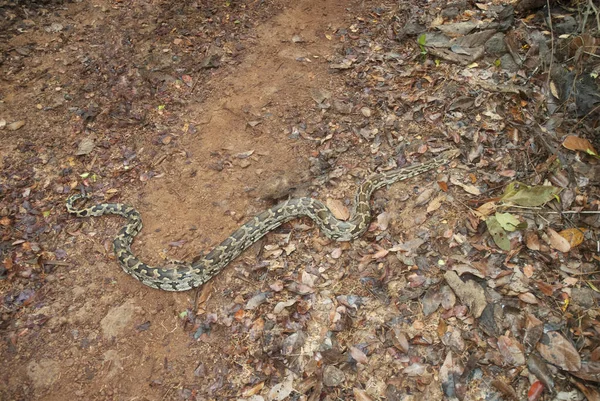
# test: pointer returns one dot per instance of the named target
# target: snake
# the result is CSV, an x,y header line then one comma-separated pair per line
x,y
183,276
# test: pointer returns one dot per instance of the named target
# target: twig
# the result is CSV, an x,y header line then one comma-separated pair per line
x,y
551,43
538,210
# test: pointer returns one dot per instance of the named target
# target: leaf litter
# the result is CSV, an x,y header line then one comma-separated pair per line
x,y
441,290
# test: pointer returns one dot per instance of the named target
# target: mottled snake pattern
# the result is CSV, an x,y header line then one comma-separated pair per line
x,y
181,276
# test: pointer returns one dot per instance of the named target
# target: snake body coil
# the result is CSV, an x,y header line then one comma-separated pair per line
x,y
185,276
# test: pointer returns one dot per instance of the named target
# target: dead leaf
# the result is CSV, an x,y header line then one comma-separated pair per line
x,y
85,146
574,236
486,209
532,241
573,142
559,351
436,203
471,189
281,391
358,355
383,220
338,209
470,293
361,395
528,298
511,350
557,242
424,197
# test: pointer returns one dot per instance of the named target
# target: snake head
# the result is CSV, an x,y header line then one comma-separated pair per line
x,y
72,199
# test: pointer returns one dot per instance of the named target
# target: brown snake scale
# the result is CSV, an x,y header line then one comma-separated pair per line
x,y
185,276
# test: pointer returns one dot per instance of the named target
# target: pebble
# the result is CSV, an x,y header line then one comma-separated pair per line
x,y
333,376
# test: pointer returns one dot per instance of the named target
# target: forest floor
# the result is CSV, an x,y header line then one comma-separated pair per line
x,y
478,280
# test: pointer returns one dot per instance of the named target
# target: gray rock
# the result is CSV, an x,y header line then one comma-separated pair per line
x,y
507,63
333,376
495,45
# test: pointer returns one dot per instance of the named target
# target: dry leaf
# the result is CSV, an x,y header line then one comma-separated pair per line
x,y
554,90
573,142
557,242
486,209
511,350
338,209
528,298
470,293
358,355
532,241
573,235
559,351
361,395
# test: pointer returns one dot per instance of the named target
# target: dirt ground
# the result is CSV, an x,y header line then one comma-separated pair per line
x,y
202,114
107,336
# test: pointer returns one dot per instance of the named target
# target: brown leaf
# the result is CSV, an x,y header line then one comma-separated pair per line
x,y
505,389
528,298
423,198
590,370
532,241
559,351
358,355
574,236
539,368
338,209
590,393
511,351
469,292
573,142
361,395
557,242
534,328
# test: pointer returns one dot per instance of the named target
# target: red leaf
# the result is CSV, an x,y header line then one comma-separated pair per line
x,y
535,391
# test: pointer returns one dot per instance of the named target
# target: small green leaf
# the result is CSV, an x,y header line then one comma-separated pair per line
x,y
422,39
529,196
161,107
508,221
498,234
46,213
84,175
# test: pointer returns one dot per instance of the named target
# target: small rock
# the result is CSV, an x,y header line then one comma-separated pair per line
x,y
450,12
342,107
495,45
85,147
16,125
117,319
507,63
333,376
584,297
366,111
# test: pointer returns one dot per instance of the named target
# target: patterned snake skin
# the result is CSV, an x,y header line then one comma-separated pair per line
x,y
185,276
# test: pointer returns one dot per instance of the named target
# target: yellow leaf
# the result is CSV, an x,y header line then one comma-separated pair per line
x,y
573,235
553,90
